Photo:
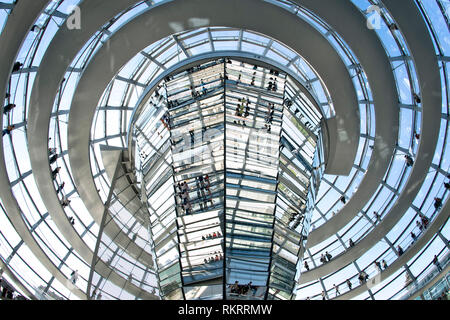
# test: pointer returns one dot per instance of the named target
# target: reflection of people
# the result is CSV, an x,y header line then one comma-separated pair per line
x,y
204,90
237,114
194,93
185,199
419,225
437,203
377,216
244,290
269,116
362,277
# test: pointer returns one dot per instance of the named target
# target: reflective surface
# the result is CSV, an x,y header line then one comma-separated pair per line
x,y
226,152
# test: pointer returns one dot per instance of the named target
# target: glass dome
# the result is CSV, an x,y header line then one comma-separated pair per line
x,y
91,165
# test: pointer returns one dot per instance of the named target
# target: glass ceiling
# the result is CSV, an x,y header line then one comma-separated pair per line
x,y
115,114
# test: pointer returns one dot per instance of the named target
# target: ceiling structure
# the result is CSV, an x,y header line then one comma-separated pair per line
x,y
376,71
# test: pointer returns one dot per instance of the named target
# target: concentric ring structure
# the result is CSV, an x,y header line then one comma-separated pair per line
x,y
212,149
